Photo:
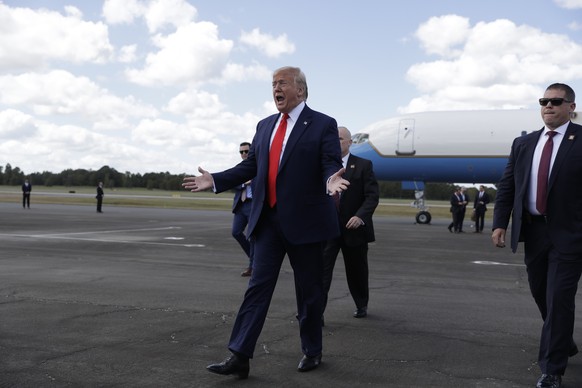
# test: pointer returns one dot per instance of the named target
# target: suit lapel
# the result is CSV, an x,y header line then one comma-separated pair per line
x,y
299,129
565,145
350,166
525,162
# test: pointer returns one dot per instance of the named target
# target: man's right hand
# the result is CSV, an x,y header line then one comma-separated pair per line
x,y
498,237
198,183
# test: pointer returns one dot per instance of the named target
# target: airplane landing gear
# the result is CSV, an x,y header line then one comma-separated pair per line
x,y
423,217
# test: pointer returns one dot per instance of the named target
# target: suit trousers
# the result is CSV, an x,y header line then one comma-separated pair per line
x,y
271,246
458,217
479,219
239,223
356,266
553,279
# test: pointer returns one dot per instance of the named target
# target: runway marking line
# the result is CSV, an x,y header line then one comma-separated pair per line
x,y
69,236
497,263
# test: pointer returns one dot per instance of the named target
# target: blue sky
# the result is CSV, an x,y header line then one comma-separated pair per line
x,y
168,85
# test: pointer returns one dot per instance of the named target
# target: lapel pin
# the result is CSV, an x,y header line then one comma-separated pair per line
x,y
352,166
305,123
571,137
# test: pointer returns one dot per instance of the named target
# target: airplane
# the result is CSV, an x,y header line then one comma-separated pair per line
x,y
444,146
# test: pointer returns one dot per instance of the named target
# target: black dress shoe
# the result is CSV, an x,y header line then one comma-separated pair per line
x,y
233,365
361,312
450,228
549,381
308,363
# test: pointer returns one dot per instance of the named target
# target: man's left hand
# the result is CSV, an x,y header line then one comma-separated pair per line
x,y
354,223
337,184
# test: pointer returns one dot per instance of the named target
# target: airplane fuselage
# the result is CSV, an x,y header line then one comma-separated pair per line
x,y
452,146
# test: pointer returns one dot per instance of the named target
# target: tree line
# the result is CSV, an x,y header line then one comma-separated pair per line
x,y
111,178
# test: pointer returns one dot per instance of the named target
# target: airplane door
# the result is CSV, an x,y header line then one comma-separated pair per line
x,y
406,137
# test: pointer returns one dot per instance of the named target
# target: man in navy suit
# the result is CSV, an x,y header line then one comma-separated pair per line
x,y
355,209
292,213
26,189
550,225
480,207
241,208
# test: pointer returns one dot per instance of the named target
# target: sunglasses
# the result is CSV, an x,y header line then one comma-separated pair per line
x,y
554,101
243,152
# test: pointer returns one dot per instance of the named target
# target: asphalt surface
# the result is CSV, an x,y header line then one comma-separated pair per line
x,y
147,297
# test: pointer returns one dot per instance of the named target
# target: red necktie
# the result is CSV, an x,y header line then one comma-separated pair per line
x,y
274,157
543,174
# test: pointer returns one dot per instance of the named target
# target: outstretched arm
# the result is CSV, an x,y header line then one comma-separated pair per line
x,y
198,183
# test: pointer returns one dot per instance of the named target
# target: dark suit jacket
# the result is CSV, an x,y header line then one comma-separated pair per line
x,y
361,199
564,205
237,194
484,199
312,154
456,203
26,189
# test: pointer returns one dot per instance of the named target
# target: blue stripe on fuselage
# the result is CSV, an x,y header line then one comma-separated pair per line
x,y
446,168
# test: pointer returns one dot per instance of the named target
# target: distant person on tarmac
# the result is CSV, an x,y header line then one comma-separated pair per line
x,y
99,197
26,189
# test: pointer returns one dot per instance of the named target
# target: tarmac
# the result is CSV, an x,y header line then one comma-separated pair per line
x,y
146,297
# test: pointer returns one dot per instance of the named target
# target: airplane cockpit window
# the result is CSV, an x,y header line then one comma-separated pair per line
x,y
360,138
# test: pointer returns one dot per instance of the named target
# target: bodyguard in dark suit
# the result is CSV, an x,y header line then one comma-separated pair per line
x,y
241,208
99,197
457,211
546,214
480,207
355,209
26,189
292,214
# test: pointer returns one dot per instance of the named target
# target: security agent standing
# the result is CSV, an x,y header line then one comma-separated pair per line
x,y
26,189
480,207
355,209
241,207
540,191
457,209
99,197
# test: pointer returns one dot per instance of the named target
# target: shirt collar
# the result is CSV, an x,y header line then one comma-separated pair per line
x,y
295,112
561,129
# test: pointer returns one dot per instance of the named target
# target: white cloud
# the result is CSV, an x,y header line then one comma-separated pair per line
x,y
160,13
157,13
570,4
33,38
195,103
496,64
575,26
444,35
192,55
15,125
127,54
271,46
238,73
163,133
122,11
61,93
